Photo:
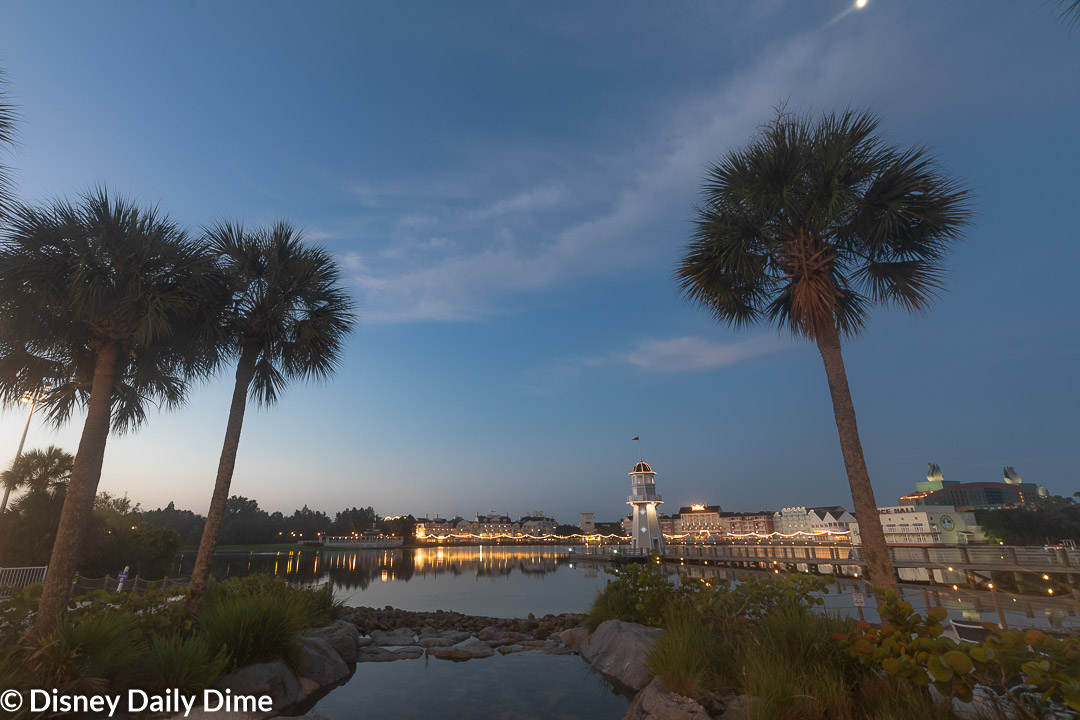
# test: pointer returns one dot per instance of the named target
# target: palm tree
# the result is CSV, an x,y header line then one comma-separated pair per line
x,y
7,137
37,470
117,308
289,319
1068,11
806,228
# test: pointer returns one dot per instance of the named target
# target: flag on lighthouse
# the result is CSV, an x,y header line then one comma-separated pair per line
x,y
635,438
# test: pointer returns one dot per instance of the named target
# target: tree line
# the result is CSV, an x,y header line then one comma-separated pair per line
x,y
123,534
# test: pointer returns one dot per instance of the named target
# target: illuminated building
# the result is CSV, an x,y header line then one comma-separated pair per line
x,y
1012,491
699,518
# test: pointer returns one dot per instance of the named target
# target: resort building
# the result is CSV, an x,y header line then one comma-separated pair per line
x,y
1011,492
436,526
833,519
925,525
828,518
699,519
536,523
588,522
737,523
791,520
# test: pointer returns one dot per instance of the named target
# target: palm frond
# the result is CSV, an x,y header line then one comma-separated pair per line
x,y
813,221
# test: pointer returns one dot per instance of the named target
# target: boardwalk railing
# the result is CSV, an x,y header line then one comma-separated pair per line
x,y
20,577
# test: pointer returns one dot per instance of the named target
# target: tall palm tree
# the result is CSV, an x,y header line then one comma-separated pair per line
x,y
36,470
289,319
7,138
117,308
806,228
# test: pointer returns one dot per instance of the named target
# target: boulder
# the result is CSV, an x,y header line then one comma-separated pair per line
x,y
308,688
342,636
618,649
461,651
574,637
556,650
656,703
508,649
400,636
445,638
321,662
273,678
381,654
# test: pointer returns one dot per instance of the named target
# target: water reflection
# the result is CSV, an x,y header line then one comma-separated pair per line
x,y
513,581
496,581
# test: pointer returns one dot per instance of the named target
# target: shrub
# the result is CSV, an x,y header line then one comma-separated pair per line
x,y
174,661
87,653
691,658
639,593
255,628
791,662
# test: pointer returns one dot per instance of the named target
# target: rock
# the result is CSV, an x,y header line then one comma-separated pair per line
x,y
508,649
738,707
364,641
656,703
444,638
321,663
574,637
308,687
401,636
381,654
618,649
461,651
273,678
556,650
342,636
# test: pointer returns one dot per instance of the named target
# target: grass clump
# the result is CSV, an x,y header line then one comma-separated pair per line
x,y
187,663
259,618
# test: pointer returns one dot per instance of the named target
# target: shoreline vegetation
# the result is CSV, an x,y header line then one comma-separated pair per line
x,y
765,640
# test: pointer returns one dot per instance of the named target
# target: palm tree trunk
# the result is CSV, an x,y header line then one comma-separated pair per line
x,y
82,489
878,561
200,576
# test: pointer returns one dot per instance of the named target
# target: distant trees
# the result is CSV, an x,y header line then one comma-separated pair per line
x,y
187,524
809,226
288,319
115,536
1055,519
403,526
116,308
352,521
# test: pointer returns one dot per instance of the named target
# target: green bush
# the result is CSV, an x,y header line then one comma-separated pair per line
x,y
639,593
692,659
174,661
792,663
88,653
255,628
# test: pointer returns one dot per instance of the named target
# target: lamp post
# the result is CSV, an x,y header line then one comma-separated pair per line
x,y
31,398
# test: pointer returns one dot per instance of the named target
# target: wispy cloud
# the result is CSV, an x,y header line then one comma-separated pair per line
x,y
692,353
495,252
656,355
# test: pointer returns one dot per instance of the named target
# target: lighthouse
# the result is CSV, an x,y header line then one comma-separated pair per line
x,y
643,499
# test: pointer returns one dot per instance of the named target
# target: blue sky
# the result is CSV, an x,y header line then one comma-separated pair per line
x,y
508,186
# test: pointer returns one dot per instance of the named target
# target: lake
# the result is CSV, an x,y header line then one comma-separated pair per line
x,y
513,581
